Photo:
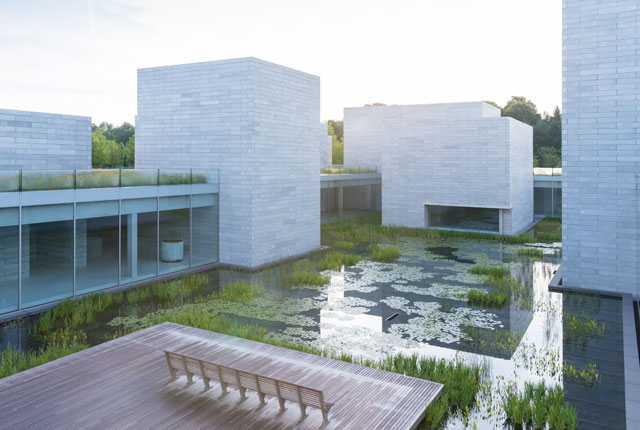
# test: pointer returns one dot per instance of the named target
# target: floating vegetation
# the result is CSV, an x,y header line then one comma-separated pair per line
x,y
435,324
532,253
443,291
538,405
384,254
493,271
335,260
486,299
549,230
579,328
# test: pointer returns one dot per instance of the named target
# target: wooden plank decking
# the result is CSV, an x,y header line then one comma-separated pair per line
x,y
121,384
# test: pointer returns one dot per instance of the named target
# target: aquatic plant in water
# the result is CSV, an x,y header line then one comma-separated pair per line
x,y
537,406
239,291
486,299
335,260
61,343
493,271
533,253
578,328
384,254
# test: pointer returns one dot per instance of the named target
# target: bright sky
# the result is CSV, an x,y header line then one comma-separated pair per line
x,y
80,56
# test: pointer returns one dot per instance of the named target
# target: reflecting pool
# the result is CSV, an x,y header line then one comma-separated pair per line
x,y
418,305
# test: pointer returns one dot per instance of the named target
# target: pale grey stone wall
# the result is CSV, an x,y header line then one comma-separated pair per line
x,y
324,144
455,154
36,140
258,123
600,154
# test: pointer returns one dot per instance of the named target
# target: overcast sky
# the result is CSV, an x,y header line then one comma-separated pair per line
x,y
80,56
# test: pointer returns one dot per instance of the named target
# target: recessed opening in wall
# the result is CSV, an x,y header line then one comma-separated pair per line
x,y
463,218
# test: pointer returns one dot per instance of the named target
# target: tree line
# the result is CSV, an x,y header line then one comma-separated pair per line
x,y
113,147
547,131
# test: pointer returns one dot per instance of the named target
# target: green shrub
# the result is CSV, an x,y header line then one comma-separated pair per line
x,y
386,254
335,260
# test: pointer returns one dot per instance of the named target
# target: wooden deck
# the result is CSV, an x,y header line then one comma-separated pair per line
x,y
122,384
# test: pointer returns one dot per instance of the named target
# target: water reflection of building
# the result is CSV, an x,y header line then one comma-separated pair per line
x,y
591,397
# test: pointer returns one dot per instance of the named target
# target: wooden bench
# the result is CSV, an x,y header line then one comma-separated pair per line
x,y
244,381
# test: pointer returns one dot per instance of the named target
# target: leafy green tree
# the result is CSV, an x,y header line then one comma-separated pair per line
x,y
337,144
130,152
107,148
120,134
522,109
337,128
547,156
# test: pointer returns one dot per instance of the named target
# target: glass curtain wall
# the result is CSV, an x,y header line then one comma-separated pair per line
x,y
96,246
547,198
175,251
9,264
68,251
204,223
47,253
464,218
139,239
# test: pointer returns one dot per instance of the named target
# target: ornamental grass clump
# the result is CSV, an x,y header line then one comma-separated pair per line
x,y
384,254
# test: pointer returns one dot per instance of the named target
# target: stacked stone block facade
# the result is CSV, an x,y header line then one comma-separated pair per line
x,y
600,153
35,140
258,123
456,154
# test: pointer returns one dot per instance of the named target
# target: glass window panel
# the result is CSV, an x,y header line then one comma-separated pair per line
x,y
205,229
139,241
174,234
96,246
464,218
47,253
9,261
557,200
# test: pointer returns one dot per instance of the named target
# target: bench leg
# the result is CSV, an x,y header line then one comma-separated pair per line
x,y
303,411
223,386
282,401
325,417
207,387
189,379
173,375
243,393
261,397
